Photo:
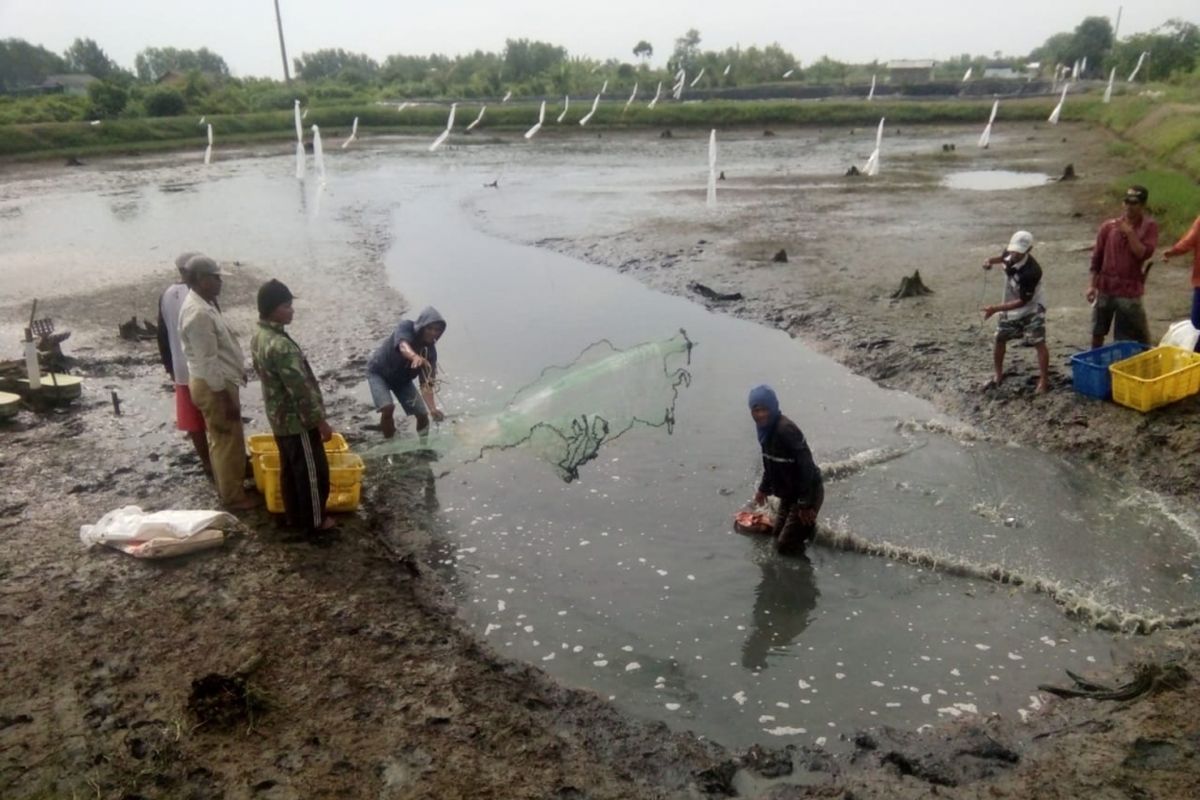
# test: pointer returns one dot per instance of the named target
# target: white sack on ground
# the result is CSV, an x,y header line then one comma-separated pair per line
x,y
157,534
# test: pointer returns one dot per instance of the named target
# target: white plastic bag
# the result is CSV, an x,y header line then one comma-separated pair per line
x,y
158,534
1181,334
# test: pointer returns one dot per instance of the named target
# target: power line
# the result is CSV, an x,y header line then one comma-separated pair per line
x,y
282,47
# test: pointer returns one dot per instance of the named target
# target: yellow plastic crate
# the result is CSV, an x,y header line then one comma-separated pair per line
x,y
1155,378
345,482
266,465
259,443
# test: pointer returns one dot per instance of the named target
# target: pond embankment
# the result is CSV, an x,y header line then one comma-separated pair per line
x,y
127,136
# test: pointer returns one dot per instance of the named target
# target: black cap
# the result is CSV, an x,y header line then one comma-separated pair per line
x,y
271,295
1137,194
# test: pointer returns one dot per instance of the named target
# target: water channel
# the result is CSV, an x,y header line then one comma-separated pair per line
x,y
630,580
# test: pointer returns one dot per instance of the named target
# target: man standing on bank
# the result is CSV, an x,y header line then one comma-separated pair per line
x,y
1023,312
187,417
1191,243
215,375
1123,246
409,352
295,410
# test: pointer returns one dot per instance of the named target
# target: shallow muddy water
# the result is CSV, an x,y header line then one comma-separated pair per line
x,y
630,580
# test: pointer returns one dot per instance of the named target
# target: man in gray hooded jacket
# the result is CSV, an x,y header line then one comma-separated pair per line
x,y
408,352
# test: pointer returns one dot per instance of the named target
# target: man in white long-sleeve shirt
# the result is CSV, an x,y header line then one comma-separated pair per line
x,y
216,373
187,417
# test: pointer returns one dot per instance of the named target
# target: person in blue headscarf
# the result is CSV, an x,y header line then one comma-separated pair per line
x,y
789,473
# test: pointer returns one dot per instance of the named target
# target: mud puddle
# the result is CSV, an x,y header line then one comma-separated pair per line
x,y
994,180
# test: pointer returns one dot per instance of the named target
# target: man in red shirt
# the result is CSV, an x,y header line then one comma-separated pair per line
x,y
1123,245
1191,243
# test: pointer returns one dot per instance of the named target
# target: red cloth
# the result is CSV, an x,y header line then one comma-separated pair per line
x,y
1120,271
1190,241
187,416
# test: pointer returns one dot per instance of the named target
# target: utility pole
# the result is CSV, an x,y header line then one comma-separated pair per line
x,y
287,77
1117,26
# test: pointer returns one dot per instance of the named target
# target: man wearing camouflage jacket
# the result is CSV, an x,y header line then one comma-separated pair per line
x,y
295,410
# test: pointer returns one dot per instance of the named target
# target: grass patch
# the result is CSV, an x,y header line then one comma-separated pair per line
x,y
1167,132
80,137
73,138
1121,149
745,113
1175,137
1122,114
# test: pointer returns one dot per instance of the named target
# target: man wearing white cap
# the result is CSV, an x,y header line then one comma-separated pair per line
x,y
1023,312
216,368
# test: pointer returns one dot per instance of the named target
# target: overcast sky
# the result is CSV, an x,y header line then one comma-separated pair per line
x,y
243,31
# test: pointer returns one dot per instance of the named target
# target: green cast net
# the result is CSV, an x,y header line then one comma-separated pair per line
x,y
569,412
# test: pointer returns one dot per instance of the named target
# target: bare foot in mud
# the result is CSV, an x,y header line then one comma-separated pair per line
x,y
248,503
1042,388
388,426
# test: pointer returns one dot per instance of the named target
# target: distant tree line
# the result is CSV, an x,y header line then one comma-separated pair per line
x,y
1173,48
168,81
23,65
540,68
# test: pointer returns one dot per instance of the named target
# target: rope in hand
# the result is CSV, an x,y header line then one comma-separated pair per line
x,y
982,298
433,383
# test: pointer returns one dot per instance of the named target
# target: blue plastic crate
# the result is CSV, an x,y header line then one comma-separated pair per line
x,y
1089,369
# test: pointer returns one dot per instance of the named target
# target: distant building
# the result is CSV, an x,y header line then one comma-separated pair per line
x,y
1001,71
75,84
910,71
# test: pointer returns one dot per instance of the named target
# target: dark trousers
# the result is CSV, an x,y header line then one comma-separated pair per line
x,y
1196,313
792,535
304,478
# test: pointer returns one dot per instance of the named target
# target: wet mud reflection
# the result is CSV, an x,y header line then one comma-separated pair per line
x,y
784,600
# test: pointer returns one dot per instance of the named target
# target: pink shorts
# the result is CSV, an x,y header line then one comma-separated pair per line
x,y
187,416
